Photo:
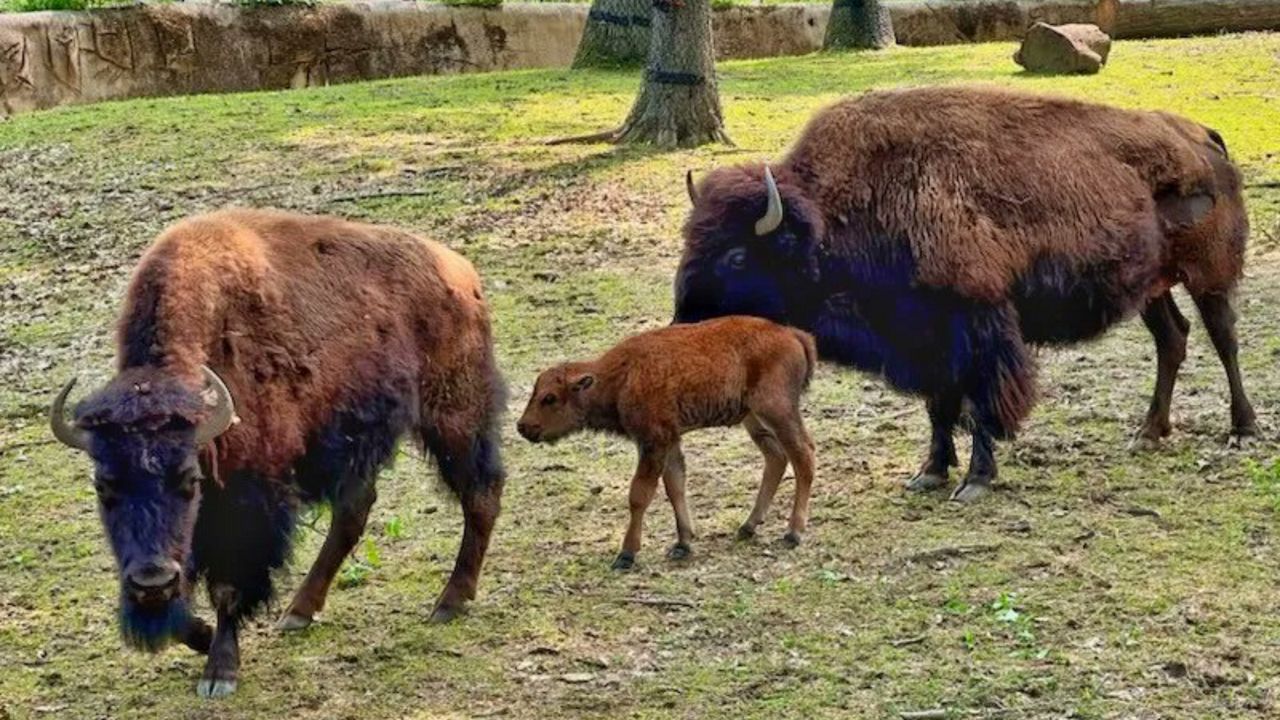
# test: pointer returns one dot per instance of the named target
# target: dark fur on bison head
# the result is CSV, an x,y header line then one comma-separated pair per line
x,y
746,255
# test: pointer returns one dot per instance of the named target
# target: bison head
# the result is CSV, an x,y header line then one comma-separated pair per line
x,y
751,248
143,431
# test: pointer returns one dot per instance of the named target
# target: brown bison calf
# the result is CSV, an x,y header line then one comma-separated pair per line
x,y
656,386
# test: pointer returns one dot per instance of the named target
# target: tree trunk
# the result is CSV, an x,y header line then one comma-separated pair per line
x,y
616,35
859,25
678,105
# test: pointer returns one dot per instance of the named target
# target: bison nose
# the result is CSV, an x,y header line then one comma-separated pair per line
x,y
155,580
530,431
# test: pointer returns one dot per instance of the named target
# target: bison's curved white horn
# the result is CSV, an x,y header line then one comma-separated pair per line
x,y
688,185
224,410
773,215
66,433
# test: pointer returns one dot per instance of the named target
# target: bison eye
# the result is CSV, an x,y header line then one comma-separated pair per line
x,y
548,400
736,258
106,494
184,483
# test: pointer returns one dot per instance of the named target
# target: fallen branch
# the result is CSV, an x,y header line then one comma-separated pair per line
x,y
602,136
1272,184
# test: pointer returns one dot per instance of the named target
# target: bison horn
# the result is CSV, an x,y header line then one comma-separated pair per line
x,y
688,185
66,433
773,215
224,410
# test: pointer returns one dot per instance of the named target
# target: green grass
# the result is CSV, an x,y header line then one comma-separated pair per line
x,y
1062,595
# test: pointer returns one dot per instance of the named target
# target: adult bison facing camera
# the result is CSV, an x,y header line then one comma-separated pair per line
x,y
932,234
269,360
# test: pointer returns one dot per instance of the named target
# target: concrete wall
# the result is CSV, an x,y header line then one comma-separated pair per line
x,y
59,58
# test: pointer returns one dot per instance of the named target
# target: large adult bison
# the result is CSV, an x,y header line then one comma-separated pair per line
x,y
268,360
932,234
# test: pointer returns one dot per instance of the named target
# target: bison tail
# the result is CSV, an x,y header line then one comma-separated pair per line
x,y
810,354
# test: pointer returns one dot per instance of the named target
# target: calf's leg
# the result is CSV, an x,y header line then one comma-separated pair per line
x,y
350,514
775,464
1169,328
787,426
1220,321
643,487
673,480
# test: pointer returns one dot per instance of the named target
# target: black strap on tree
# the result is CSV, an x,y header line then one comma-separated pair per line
x,y
665,77
609,18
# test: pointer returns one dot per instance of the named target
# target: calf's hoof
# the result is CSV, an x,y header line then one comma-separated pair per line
x,y
625,561
926,482
293,622
971,490
210,688
679,551
746,532
791,539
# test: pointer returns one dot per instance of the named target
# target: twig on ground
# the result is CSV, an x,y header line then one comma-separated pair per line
x,y
658,602
25,445
380,194
944,553
1264,184
903,642
934,714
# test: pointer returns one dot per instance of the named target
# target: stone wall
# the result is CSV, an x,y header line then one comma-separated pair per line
x,y
59,58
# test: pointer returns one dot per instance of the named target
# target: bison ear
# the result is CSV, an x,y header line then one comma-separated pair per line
x,y
1183,210
582,383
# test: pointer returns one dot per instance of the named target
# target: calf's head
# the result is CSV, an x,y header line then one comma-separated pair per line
x,y
559,404
751,248
143,431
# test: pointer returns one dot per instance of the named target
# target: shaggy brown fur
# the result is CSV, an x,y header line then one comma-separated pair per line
x,y
981,181
656,386
334,338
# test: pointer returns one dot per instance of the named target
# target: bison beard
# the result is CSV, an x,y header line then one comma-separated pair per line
x,y
931,235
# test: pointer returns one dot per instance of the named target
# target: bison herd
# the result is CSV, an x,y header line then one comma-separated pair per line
x,y
268,361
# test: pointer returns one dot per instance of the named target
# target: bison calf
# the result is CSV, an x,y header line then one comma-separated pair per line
x,y
656,386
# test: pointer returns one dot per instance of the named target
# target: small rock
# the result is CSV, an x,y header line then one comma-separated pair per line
x,y
1064,49
578,678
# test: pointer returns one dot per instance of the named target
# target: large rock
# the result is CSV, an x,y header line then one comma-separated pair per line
x,y
1063,49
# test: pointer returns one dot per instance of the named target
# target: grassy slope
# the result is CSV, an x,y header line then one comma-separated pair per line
x,y
1068,603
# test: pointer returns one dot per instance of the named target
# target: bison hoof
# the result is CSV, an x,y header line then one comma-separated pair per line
x,y
747,532
679,551
624,561
292,622
210,689
791,539
447,613
926,482
971,490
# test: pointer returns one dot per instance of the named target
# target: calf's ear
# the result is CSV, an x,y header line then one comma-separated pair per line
x,y
582,382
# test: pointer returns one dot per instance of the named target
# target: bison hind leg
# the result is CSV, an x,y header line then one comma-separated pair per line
x,y
465,445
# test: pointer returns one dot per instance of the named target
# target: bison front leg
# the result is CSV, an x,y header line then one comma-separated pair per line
x,y
644,485
223,665
944,412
